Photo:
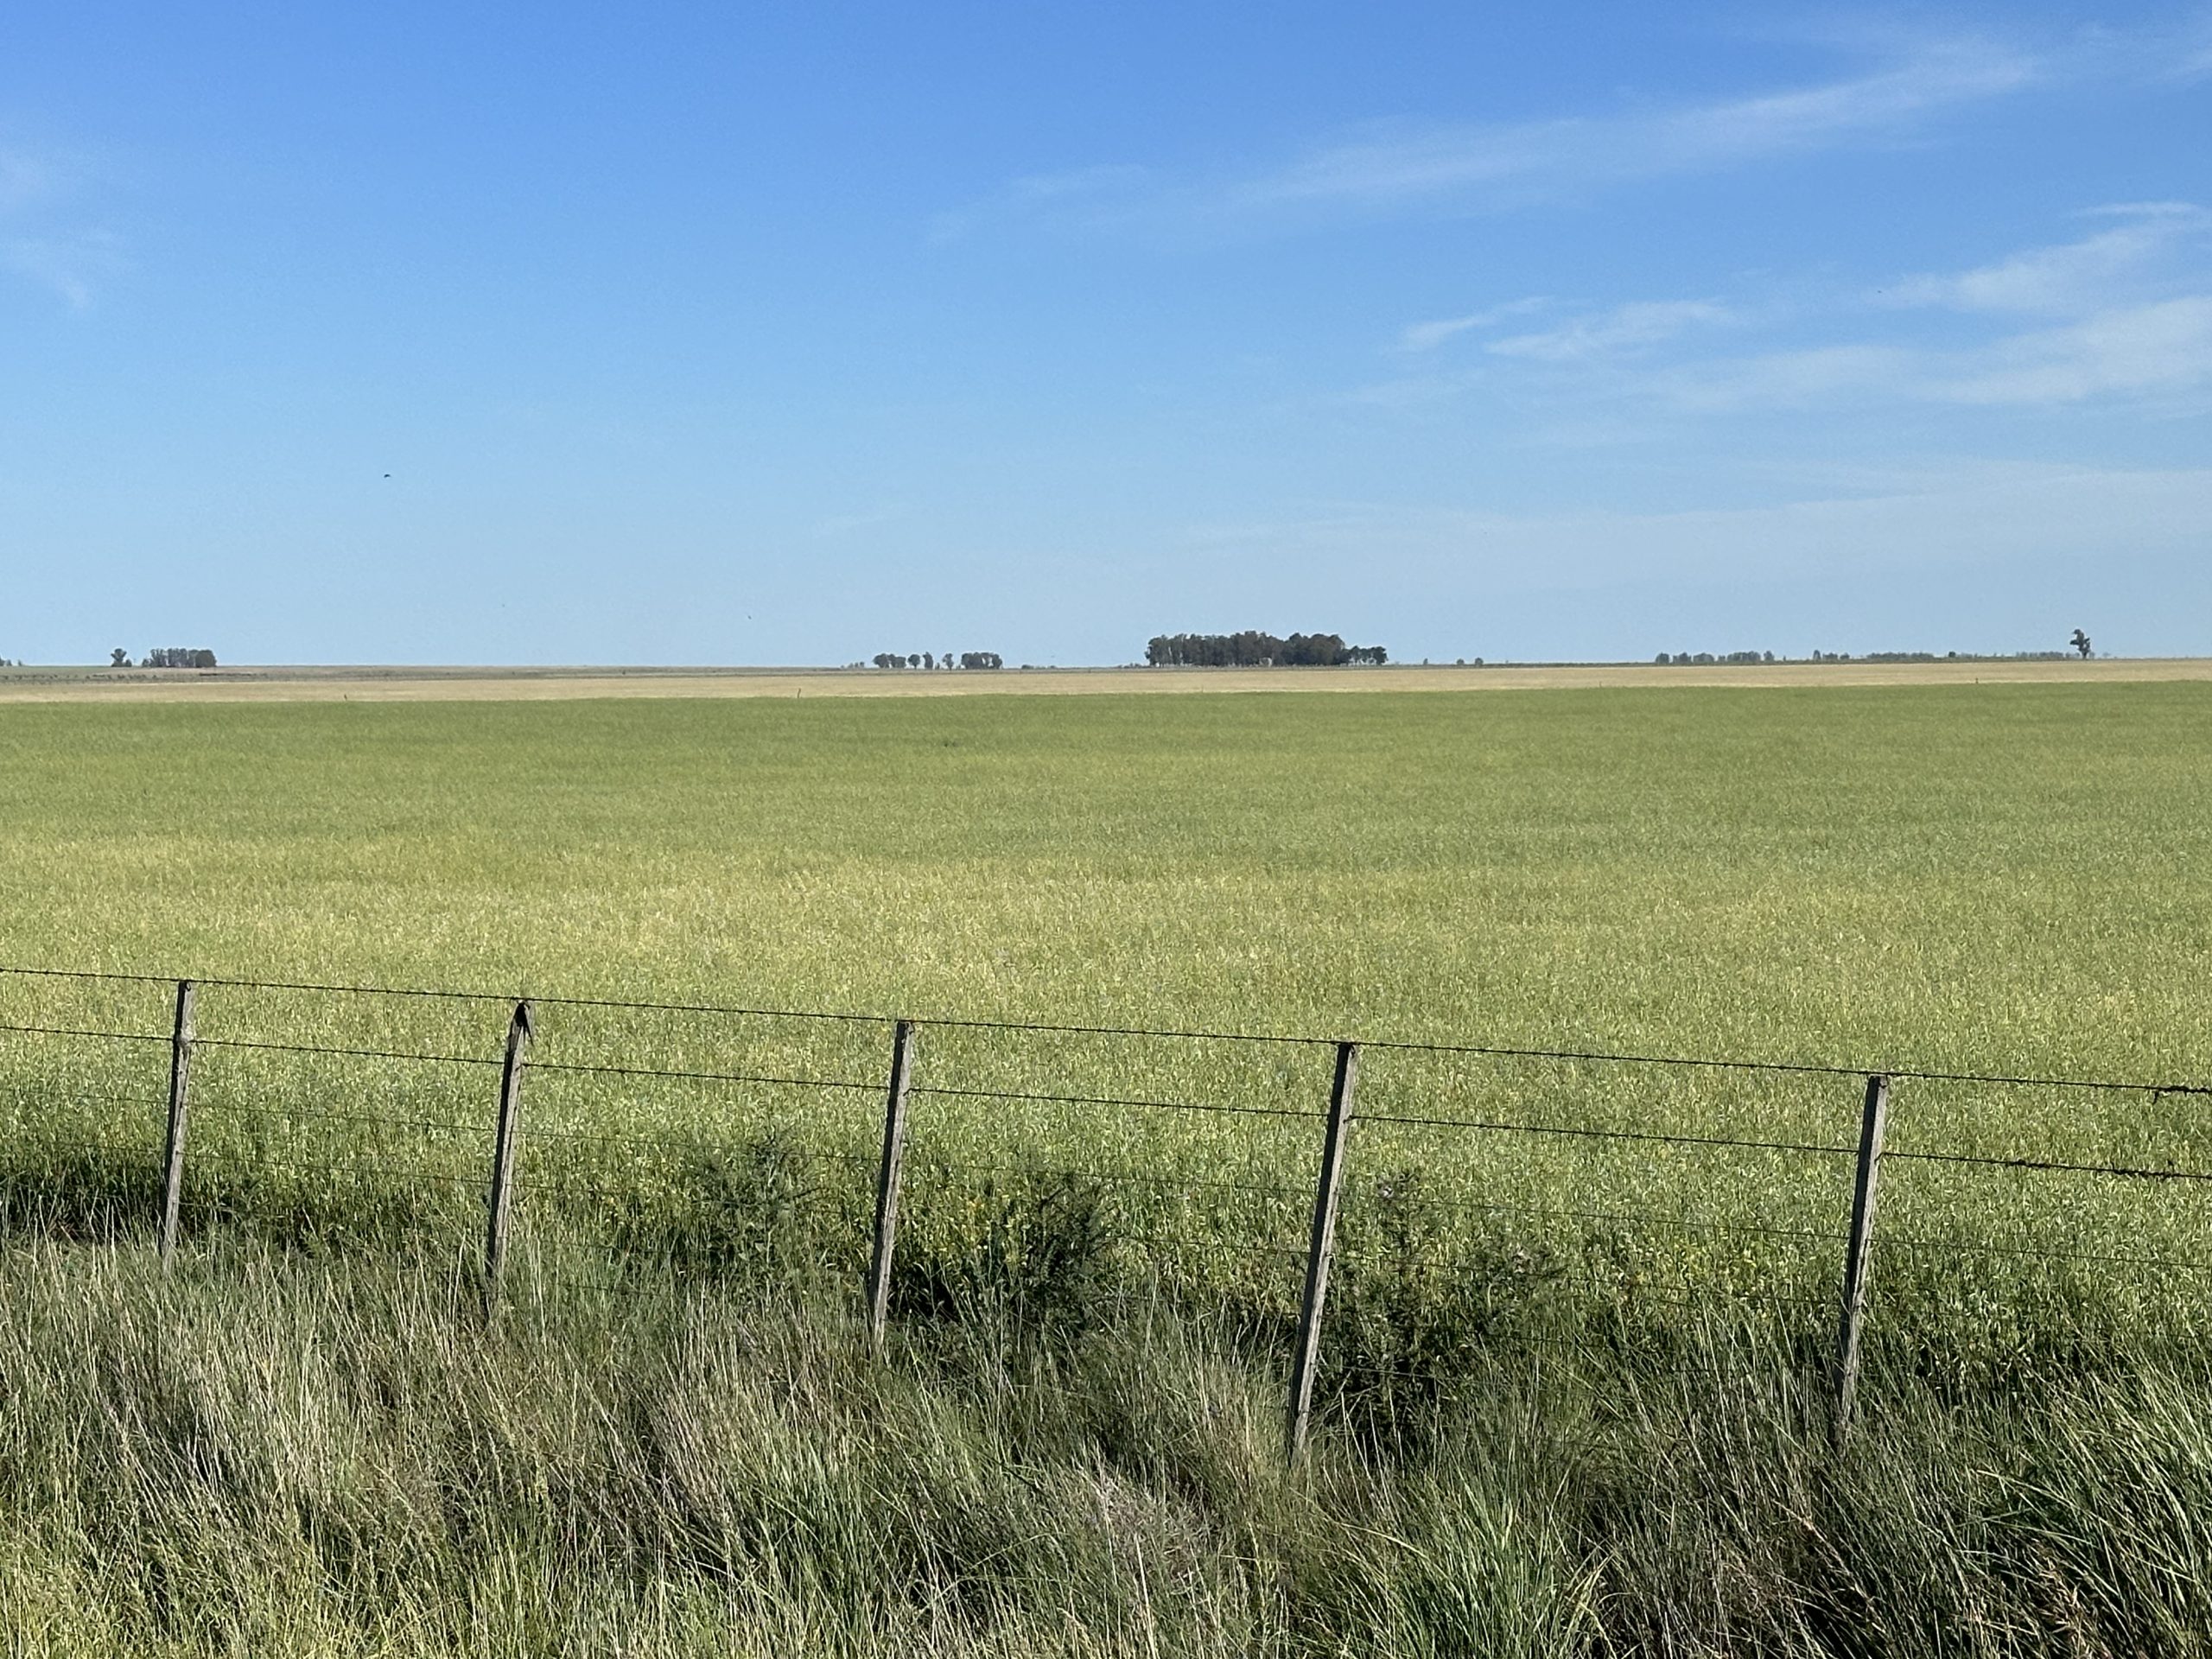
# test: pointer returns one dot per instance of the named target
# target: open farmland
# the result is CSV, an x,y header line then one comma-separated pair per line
x,y
2014,880
1975,880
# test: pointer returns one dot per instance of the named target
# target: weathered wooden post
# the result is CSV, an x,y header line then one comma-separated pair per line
x,y
1858,1257
519,1032
887,1182
173,1158
1307,1354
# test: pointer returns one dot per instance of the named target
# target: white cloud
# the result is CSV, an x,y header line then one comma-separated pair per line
x,y
2123,315
1625,329
2151,353
2135,351
2069,278
1427,336
1787,380
1400,166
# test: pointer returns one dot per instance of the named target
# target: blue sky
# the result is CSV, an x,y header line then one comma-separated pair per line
x,y
791,334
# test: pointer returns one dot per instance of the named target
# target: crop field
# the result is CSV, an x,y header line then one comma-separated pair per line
x,y
1574,1369
1995,879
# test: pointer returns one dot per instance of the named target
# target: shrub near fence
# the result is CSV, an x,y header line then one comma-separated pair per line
x,y
1372,1209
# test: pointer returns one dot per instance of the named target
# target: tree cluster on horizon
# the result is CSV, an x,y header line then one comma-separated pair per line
x,y
931,659
166,656
1252,649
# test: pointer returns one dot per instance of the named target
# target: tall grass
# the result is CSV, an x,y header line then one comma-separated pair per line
x,y
273,1453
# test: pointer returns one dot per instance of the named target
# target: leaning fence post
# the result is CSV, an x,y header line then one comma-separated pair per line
x,y
887,1182
173,1158
1303,1360
520,1031
1858,1259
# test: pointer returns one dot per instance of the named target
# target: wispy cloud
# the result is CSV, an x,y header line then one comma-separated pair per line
x,y
1397,166
1427,336
2122,314
2071,278
1625,329
1400,165
2162,350
2150,354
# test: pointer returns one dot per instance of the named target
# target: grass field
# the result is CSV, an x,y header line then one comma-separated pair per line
x,y
2009,880
2014,878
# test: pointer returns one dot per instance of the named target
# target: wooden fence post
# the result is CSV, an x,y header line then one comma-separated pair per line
x,y
1303,1360
1858,1259
173,1158
887,1182
519,1032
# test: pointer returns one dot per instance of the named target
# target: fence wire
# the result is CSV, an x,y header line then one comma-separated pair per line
x,y
556,1161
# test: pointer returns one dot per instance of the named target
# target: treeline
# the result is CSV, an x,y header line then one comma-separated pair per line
x,y
1683,658
166,656
930,660
1252,649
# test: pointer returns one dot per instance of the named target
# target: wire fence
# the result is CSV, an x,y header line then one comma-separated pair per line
x,y
1276,1154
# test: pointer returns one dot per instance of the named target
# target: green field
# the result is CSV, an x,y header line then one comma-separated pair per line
x,y
2012,880
2006,878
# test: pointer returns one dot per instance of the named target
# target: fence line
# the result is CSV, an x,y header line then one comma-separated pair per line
x,y
511,1134
1896,1073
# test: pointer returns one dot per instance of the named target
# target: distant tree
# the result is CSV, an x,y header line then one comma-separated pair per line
x,y
929,659
2081,643
118,657
914,659
1253,649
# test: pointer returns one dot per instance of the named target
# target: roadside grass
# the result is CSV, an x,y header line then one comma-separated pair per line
x,y
268,1453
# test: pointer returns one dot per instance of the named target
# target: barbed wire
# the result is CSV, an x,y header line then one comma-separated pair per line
x,y
70,1031
1388,1044
700,1077
1111,1179
2132,1171
198,1043
1608,1134
1109,1100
